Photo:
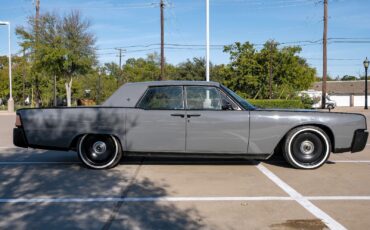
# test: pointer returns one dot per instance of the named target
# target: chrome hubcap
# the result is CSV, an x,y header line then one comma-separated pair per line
x,y
307,147
98,148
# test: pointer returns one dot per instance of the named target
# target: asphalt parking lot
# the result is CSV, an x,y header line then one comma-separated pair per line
x,y
51,190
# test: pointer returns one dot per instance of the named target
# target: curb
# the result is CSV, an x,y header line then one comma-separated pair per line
x,y
6,113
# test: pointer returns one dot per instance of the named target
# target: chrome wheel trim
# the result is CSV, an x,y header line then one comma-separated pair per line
x,y
95,166
307,147
98,148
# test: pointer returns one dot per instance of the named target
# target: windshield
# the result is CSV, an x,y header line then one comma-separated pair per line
x,y
244,103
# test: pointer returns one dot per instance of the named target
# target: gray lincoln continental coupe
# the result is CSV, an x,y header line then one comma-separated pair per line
x,y
188,119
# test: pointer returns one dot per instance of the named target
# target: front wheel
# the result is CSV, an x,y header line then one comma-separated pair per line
x,y
99,151
307,147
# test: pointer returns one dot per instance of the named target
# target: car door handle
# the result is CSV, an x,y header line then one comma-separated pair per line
x,y
193,115
178,115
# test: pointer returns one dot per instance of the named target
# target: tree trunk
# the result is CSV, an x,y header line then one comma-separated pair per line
x,y
258,92
55,91
69,92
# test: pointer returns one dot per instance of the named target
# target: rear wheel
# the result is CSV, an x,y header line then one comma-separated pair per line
x,y
307,147
99,151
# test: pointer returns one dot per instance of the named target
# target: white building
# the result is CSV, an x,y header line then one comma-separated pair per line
x,y
345,93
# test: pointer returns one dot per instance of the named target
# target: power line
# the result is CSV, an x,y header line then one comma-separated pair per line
x,y
201,46
117,7
336,59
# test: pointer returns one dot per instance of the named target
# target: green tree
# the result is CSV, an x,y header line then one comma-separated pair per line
x,y
193,70
4,78
113,70
244,73
142,69
249,70
348,78
20,79
65,48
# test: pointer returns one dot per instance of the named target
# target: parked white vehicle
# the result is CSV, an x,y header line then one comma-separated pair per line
x,y
316,96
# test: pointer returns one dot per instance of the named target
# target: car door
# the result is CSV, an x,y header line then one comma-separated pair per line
x,y
215,124
158,124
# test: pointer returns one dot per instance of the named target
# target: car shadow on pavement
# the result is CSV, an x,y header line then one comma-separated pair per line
x,y
33,155
185,161
277,159
22,181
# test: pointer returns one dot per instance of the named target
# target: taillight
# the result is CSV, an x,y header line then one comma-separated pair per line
x,y
18,121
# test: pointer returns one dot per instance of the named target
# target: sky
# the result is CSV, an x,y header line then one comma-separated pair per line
x,y
135,27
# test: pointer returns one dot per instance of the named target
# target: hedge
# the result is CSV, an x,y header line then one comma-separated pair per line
x,y
278,103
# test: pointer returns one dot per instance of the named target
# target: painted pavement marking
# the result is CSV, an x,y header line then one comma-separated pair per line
x,y
303,201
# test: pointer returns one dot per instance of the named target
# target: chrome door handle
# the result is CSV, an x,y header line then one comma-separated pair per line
x,y
178,115
192,115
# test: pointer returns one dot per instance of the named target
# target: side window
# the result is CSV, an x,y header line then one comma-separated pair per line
x,y
227,104
203,98
163,98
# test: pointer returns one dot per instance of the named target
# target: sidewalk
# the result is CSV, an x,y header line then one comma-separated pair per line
x,y
5,112
357,109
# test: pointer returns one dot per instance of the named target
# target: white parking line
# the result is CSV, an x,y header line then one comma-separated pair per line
x,y
303,201
176,199
338,198
141,199
334,161
351,161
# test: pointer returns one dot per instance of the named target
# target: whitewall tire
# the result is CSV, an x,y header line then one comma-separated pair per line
x,y
307,147
99,151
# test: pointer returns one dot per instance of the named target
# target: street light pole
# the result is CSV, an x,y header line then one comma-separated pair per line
x,y
10,101
207,40
366,65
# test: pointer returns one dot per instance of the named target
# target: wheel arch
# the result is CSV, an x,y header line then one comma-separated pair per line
x,y
325,128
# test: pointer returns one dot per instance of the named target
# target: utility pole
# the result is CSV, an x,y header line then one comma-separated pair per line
x,y
325,60
37,10
37,39
270,71
120,50
162,77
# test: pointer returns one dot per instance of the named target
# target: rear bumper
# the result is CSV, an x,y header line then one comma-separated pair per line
x,y
359,140
19,138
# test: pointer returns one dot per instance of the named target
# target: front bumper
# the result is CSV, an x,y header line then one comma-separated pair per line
x,y
19,138
359,140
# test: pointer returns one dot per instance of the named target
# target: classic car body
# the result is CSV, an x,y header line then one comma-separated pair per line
x,y
188,118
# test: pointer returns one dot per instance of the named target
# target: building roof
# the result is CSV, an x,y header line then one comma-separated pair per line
x,y
342,87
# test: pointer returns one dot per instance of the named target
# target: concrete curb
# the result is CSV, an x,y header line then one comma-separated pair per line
x,y
6,113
